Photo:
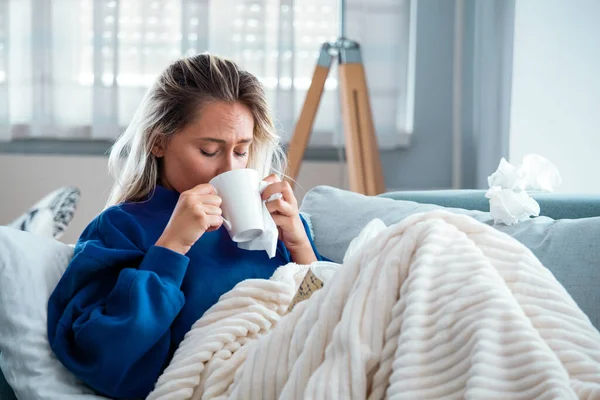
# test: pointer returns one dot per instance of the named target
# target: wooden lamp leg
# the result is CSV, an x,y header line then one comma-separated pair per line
x,y
301,136
364,163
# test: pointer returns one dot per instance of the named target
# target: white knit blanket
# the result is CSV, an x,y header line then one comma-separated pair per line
x,y
437,306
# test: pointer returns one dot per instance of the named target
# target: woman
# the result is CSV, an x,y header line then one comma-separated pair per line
x,y
158,257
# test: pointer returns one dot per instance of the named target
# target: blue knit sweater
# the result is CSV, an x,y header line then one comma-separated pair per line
x,y
123,305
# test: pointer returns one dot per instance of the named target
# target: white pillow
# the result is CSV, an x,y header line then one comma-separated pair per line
x,y
30,268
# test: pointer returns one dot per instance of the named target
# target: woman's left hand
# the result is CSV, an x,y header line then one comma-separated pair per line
x,y
286,215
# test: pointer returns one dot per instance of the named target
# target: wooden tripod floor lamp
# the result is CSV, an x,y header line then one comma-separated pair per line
x,y
362,152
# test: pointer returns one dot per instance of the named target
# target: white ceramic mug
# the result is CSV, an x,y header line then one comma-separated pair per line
x,y
242,203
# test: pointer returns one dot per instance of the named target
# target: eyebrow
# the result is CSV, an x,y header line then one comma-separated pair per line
x,y
215,140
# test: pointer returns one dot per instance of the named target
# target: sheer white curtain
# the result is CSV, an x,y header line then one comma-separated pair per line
x,y
78,68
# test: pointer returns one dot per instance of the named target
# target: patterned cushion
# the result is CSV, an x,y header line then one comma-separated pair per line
x,y
50,216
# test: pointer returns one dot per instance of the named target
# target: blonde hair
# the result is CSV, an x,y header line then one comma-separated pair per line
x,y
173,101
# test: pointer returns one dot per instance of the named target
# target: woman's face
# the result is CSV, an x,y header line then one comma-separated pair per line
x,y
216,142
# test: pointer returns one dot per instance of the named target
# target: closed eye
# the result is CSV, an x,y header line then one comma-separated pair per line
x,y
207,154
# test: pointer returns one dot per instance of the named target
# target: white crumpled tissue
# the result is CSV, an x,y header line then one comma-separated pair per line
x,y
510,201
268,239
510,207
540,173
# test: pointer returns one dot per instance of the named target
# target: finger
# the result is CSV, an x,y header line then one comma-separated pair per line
x,y
282,207
214,222
280,220
288,194
203,188
211,199
281,187
210,209
272,178
273,188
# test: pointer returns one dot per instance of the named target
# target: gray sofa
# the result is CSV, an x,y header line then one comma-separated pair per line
x,y
566,238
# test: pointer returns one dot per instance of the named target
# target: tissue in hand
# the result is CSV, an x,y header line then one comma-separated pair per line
x,y
268,239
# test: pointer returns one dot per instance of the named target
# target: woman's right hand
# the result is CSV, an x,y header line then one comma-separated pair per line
x,y
197,211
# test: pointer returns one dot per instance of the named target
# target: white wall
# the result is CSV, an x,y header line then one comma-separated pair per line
x,y
26,179
555,108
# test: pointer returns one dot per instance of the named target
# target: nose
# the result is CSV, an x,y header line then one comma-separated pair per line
x,y
227,164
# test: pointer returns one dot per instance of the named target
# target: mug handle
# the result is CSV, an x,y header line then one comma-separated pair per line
x,y
227,224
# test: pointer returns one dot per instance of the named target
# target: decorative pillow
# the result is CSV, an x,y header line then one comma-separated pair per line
x,y
50,216
568,248
30,268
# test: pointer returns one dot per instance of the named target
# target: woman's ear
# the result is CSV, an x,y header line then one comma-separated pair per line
x,y
158,150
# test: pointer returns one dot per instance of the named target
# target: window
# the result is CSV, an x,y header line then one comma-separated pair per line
x,y
77,69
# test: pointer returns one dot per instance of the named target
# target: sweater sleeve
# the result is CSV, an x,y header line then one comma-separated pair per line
x,y
110,315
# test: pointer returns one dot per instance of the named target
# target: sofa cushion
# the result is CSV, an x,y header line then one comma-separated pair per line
x,y
570,249
30,268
